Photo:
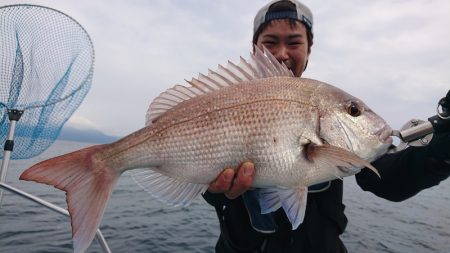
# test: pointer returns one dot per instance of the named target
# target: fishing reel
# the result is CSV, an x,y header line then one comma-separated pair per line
x,y
419,133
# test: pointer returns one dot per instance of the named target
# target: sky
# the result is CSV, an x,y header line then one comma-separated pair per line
x,y
392,54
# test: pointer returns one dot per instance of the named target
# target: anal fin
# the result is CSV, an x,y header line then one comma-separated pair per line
x,y
169,190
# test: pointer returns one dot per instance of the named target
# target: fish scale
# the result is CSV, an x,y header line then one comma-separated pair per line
x,y
205,144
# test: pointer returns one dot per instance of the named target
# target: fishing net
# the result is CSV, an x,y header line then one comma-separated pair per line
x,y
46,68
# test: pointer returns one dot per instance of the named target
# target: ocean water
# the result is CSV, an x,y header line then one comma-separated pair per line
x,y
135,222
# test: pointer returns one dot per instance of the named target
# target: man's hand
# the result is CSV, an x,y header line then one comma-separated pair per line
x,y
234,183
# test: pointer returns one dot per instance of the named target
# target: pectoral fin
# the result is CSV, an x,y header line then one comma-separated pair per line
x,y
336,157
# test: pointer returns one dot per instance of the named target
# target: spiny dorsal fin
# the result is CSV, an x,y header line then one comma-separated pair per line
x,y
261,64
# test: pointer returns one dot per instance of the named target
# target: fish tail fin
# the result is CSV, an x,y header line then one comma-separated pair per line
x,y
88,183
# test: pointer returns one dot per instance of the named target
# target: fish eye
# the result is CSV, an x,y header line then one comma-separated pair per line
x,y
353,109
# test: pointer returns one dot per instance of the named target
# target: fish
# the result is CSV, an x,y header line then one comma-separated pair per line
x,y
297,131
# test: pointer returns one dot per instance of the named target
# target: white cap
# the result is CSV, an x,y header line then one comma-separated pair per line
x,y
300,13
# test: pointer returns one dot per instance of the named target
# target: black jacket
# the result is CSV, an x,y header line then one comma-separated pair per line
x,y
403,175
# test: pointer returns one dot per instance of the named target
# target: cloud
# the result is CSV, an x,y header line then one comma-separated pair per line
x,y
82,123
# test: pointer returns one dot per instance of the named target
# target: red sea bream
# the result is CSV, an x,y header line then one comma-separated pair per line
x,y
298,132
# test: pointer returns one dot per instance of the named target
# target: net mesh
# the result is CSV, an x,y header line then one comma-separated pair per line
x,y
46,68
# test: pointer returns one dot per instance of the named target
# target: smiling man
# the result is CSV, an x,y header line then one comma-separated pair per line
x,y
288,42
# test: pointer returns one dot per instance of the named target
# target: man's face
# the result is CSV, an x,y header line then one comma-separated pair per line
x,y
289,44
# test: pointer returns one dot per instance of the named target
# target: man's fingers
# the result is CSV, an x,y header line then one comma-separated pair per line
x,y
232,183
243,180
223,182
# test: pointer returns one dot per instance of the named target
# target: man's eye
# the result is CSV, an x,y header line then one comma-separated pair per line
x,y
295,43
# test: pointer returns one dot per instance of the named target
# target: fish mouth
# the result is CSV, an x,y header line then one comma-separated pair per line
x,y
384,134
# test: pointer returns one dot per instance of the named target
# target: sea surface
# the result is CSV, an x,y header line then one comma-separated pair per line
x,y
135,222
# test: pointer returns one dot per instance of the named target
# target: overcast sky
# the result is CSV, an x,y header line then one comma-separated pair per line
x,y
393,54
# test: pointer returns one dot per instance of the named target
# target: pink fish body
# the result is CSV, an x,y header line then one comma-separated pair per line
x,y
298,132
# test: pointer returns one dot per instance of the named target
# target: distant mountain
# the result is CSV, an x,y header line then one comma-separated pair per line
x,y
85,135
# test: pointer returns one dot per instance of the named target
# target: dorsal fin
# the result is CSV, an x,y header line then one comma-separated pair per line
x,y
261,64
